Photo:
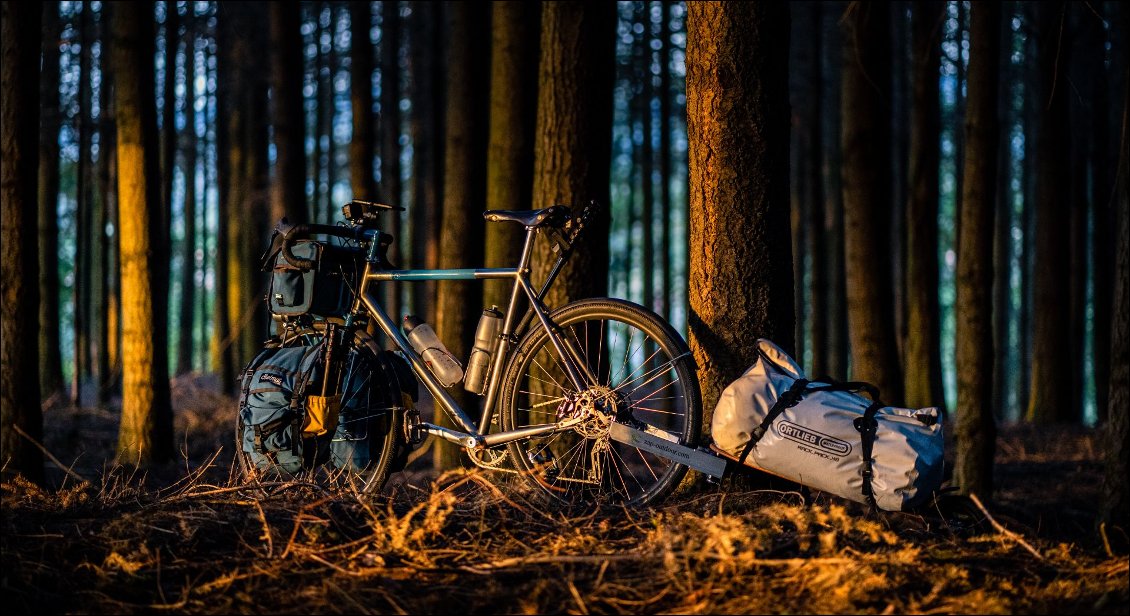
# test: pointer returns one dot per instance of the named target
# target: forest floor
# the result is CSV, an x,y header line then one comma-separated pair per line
x,y
188,538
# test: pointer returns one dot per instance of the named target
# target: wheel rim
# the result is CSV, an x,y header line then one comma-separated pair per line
x,y
643,379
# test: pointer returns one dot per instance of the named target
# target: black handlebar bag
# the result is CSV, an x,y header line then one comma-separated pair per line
x,y
327,289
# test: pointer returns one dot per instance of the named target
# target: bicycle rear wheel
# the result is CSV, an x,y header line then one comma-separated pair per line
x,y
644,377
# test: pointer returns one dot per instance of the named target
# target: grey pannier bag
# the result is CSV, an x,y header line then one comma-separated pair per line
x,y
824,435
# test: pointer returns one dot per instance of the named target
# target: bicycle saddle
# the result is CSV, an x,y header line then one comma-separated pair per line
x,y
554,216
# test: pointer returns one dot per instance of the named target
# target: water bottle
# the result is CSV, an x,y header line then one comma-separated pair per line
x,y
479,363
439,360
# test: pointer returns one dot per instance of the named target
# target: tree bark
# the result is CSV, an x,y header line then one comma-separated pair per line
x,y
837,350
1052,361
288,118
923,360
146,434
573,138
84,204
1002,226
426,126
513,113
817,247
222,350
976,427
19,269
665,118
50,356
867,200
1102,204
464,192
1116,494
741,271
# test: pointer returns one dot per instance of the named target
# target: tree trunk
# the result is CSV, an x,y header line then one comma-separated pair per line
x,y
464,192
1116,495
50,357
837,351
647,168
361,147
221,346
513,111
19,275
923,360
817,247
185,343
741,274
573,138
426,126
665,202
867,200
146,434
100,241
391,189
288,118
84,204
1002,226
799,210
976,428
1052,361
323,100
1102,202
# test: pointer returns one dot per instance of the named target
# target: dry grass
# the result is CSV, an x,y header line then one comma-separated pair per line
x,y
190,539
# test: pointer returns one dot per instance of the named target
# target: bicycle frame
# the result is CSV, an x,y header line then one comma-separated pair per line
x,y
473,436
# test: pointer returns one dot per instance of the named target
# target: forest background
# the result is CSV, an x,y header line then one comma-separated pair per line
x,y
907,193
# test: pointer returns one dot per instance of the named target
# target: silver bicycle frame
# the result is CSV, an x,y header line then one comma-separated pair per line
x,y
473,436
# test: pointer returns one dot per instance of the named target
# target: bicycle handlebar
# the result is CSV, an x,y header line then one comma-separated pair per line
x,y
291,233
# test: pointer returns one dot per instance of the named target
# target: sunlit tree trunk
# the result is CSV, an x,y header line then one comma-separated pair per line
x,y
288,119
513,110
976,427
741,271
464,191
923,361
146,434
867,199
50,356
1052,390
19,269
572,141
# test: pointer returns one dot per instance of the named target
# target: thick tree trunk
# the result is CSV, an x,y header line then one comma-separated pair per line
x,y
19,269
573,139
288,118
464,194
50,356
867,199
1116,494
1052,390
976,428
513,111
146,434
391,188
186,343
741,271
923,360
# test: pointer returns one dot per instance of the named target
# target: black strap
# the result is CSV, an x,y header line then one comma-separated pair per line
x,y
867,427
789,399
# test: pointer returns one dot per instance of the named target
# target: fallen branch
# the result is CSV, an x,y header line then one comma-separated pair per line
x,y
1002,530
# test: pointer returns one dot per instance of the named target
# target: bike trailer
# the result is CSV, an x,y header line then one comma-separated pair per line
x,y
824,435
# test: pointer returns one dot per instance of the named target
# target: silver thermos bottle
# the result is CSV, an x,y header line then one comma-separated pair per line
x,y
478,365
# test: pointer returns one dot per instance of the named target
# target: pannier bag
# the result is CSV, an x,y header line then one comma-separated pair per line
x,y
324,290
824,435
372,387
272,406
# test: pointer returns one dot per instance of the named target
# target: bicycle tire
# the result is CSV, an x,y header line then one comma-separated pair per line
x,y
545,461
390,444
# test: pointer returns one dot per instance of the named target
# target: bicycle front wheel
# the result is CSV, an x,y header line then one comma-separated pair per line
x,y
642,374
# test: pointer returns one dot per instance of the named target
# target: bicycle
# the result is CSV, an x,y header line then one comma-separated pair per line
x,y
586,401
